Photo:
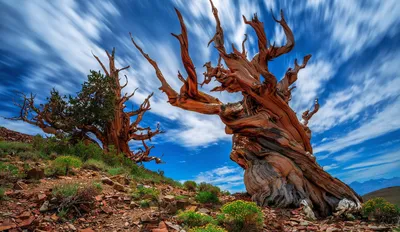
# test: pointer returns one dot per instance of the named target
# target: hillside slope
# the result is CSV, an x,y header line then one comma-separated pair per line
x,y
391,194
373,185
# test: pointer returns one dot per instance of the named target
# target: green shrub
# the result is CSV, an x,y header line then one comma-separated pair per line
x,y
14,148
95,165
226,193
144,203
207,197
8,169
47,146
63,164
116,171
208,228
381,210
145,193
241,216
193,219
87,152
205,187
98,186
2,193
190,185
65,190
181,197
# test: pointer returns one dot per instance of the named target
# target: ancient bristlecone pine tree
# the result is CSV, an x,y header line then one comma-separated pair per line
x,y
98,109
269,141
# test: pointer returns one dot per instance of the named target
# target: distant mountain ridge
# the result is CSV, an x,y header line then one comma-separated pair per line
x,y
373,185
391,194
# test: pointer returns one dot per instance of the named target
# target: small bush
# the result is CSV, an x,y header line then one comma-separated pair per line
x,y
208,228
207,197
145,193
190,185
98,186
29,155
8,173
241,216
193,219
205,187
144,203
65,190
95,165
87,152
9,148
381,210
181,197
116,171
72,199
2,193
63,164
226,193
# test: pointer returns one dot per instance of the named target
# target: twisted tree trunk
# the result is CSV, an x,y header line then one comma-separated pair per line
x,y
55,118
269,141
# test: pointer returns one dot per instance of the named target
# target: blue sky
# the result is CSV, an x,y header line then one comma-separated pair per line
x,y
354,71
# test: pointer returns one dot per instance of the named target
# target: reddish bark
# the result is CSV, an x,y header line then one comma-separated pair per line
x,y
269,141
117,132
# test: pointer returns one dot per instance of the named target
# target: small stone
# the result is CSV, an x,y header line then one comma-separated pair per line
x,y
332,229
44,207
169,198
54,217
119,187
171,208
181,204
41,196
27,222
87,230
203,210
192,208
145,218
106,180
24,215
175,227
20,186
378,228
71,227
304,223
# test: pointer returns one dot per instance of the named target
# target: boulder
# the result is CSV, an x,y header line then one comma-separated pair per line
x,y
106,180
35,173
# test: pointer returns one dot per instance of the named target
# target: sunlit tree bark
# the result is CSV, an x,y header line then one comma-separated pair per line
x,y
88,113
269,141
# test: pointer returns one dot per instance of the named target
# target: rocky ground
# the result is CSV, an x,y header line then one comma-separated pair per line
x,y
28,203
9,135
25,209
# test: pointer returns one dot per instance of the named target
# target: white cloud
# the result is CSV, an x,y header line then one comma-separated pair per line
x,y
381,123
387,170
279,37
347,156
310,84
368,87
391,157
354,25
226,177
270,5
330,167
